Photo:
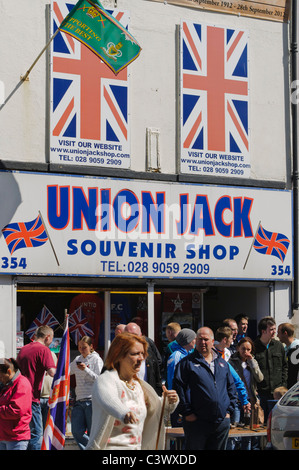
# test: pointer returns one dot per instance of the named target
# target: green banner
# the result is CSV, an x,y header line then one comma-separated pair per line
x,y
92,25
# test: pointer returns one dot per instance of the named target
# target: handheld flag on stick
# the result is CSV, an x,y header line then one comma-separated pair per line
x,y
94,27
161,420
79,326
55,429
44,317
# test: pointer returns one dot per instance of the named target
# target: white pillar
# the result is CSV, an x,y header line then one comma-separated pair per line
x,y
151,310
107,321
8,315
272,300
283,303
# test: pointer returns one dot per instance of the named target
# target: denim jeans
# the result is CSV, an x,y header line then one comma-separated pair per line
x,y
203,435
13,445
44,410
81,422
242,443
234,442
36,428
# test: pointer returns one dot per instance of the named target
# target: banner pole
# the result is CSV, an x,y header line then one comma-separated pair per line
x,y
54,252
24,77
252,244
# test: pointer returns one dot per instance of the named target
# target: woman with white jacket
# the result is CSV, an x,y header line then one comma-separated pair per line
x,y
127,412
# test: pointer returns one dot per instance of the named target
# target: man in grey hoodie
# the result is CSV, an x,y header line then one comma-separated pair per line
x,y
181,346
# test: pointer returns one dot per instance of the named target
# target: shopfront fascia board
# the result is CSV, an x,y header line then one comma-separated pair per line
x,y
71,225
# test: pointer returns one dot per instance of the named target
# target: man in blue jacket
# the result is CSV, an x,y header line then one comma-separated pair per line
x,y
207,395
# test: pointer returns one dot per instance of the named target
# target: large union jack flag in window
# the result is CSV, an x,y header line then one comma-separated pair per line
x,y
214,91
89,104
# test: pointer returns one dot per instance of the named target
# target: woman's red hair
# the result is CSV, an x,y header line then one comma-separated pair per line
x,y
120,347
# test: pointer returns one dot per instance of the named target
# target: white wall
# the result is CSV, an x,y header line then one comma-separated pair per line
x,y
282,299
283,310
23,123
8,315
22,119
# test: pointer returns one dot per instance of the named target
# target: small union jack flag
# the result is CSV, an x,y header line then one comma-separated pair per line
x,y
79,326
55,429
25,234
45,317
271,243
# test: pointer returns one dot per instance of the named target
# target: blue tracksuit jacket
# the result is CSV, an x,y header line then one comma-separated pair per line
x,y
209,396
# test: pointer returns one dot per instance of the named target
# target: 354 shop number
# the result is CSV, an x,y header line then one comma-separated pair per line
x,y
280,270
13,263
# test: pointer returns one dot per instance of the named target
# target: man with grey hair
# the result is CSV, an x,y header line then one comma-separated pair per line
x,y
151,367
120,328
207,395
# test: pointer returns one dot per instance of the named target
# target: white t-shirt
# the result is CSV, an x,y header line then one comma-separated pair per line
x,y
129,436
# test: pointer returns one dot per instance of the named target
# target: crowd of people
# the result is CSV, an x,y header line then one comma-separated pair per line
x,y
204,381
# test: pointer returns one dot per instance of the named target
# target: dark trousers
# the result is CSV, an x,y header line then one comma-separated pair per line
x,y
266,400
203,435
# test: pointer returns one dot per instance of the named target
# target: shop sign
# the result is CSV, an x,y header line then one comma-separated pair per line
x,y
89,110
91,226
276,10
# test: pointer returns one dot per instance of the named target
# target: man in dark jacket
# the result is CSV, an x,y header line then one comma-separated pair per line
x,y
271,358
207,395
151,368
286,334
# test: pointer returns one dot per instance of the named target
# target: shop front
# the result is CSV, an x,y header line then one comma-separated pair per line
x,y
103,309
113,250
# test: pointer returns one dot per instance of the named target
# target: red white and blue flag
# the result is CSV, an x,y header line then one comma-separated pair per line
x,y
25,234
271,243
79,325
45,317
55,429
214,98
89,103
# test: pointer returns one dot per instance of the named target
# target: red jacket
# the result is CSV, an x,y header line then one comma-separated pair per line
x,y
15,409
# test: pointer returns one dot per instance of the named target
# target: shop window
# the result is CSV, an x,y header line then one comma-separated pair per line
x,y
88,303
